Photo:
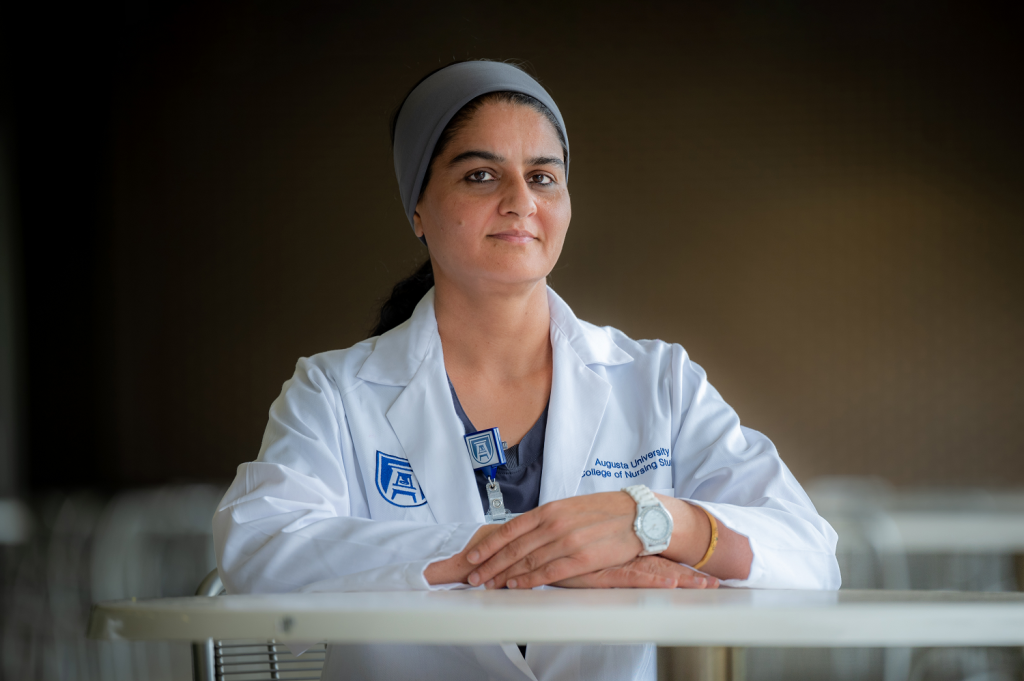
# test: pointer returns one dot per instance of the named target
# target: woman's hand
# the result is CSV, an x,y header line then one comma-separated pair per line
x,y
590,533
589,541
454,570
558,541
645,572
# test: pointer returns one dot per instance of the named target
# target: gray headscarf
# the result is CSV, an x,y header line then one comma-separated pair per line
x,y
429,108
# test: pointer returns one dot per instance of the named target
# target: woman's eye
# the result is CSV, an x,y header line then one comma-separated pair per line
x,y
542,179
480,176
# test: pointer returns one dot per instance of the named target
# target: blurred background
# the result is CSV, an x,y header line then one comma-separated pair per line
x,y
822,202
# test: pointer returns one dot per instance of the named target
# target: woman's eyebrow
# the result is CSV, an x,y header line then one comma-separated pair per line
x,y
496,158
475,153
546,161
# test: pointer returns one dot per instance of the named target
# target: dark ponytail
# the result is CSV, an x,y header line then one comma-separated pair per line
x,y
408,292
404,297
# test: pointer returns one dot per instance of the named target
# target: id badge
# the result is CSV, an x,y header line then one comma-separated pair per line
x,y
487,452
485,449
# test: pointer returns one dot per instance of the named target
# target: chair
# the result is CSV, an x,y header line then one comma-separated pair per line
x,y
215,660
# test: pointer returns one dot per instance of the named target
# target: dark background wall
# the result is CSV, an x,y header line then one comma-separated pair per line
x,y
823,204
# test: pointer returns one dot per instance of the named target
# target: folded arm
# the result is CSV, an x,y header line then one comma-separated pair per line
x,y
770,536
288,521
279,531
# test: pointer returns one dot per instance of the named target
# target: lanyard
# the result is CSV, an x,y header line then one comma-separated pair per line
x,y
487,452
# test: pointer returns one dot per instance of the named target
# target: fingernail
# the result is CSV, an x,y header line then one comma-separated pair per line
x,y
511,583
670,583
714,583
703,583
474,578
473,557
490,584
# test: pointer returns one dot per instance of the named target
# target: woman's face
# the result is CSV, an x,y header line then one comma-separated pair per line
x,y
496,208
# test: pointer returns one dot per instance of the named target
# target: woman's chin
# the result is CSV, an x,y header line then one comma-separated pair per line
x,y
512,278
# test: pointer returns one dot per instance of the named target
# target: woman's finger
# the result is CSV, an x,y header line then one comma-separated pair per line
x,y
508,532
648,572
631,578
552,527
548,543
520,549
564,546
544,554
555,571
593,530
595,547
532,561
620,577
685,577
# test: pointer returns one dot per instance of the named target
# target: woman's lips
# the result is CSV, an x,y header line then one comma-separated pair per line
x,y
514,237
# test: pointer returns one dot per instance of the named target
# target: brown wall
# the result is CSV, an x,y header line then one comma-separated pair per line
x,y
824,209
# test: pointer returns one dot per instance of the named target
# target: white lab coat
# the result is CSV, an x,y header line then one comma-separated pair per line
x,y
363,480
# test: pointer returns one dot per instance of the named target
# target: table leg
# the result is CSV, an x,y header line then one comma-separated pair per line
x,y
701,664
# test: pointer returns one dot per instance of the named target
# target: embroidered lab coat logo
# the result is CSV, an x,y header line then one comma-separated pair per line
x,y
481,447
397,483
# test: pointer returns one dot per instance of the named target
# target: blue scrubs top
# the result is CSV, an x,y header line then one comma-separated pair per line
x,y
519,478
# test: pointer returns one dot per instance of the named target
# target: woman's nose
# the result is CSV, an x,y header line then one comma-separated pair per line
x,y
518,199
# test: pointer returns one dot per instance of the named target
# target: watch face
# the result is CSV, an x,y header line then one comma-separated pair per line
x,y
655,524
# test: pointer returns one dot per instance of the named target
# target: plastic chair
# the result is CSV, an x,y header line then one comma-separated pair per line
x,y
216,660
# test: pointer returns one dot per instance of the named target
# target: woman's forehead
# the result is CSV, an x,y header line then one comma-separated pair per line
x,y
507,128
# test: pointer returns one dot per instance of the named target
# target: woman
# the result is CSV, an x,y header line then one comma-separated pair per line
x,y
364,480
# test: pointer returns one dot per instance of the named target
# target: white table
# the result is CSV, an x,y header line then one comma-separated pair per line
x,y
719,619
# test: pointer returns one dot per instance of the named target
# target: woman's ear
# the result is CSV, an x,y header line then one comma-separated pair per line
x,y
417,224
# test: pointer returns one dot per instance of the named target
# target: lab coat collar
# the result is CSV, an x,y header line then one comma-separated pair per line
x,y
593,345
398,354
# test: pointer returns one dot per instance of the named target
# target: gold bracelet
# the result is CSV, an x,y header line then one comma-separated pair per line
x,y
712,544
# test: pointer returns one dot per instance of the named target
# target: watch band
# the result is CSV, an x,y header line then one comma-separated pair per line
x,y
642,495
645,499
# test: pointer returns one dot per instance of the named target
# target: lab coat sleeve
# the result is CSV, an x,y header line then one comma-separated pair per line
x,y
291,522
736,474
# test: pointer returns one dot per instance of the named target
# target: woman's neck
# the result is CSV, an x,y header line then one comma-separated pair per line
x,y
499,335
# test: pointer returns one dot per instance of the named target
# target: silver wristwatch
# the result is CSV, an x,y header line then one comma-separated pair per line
x,y
653,524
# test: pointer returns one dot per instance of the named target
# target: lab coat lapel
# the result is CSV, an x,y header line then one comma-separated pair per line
x,y
578,400
424,419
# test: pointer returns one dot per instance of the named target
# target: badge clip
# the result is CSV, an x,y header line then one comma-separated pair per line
x,y
496,511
